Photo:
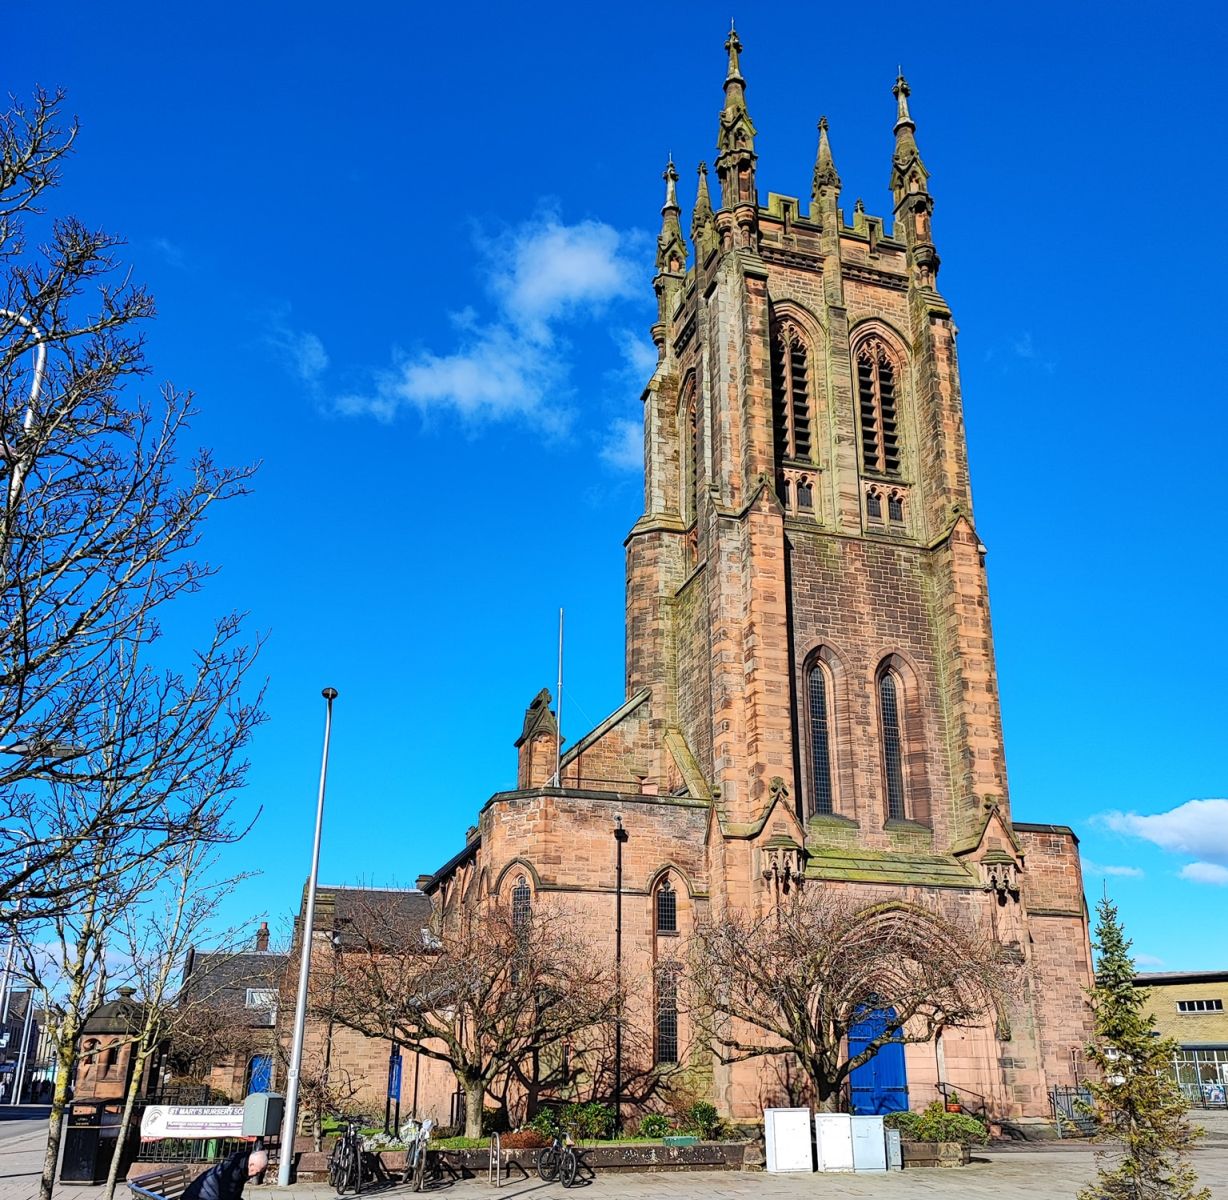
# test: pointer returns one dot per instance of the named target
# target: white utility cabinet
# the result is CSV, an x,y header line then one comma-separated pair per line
x,y
833,1140
869,1144
786,1134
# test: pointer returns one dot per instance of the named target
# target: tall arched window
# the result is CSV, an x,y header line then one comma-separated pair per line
x,y
790,394
667,908
890,706
818,692
666,1040
522,902
876,394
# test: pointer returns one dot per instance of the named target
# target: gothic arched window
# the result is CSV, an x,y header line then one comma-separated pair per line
x,y
876,394
890,707
667,908
790,394
818,693
522,902
666,1040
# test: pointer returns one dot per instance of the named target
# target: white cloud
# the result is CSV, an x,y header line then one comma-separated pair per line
x,y
1197,827
624,445
1095,868
639,354
1147,960
513,366
1205,872
302,353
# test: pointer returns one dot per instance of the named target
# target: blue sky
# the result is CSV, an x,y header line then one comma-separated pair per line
x,y
363,227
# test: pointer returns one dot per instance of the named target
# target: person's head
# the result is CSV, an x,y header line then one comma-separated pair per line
x,y
256,1162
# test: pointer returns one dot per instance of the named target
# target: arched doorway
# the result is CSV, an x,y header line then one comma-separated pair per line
x,y
879,1085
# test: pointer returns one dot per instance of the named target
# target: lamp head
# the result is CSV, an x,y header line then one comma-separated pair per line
x,y
329,694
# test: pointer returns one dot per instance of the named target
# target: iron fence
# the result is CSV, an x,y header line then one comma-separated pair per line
x,y
1073,1111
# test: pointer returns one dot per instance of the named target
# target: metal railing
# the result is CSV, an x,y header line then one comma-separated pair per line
x,y
1073,1111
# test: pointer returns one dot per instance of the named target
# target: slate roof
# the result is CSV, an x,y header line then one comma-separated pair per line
x,y
343,911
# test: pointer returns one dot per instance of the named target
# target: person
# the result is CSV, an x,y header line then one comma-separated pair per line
x,y
225,1181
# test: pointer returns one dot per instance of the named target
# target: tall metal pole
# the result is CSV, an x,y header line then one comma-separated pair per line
x,y
290,1121
558,714
620,836
19,1073
12,947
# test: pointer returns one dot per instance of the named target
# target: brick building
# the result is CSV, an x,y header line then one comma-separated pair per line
x,y
810,679
1189,1007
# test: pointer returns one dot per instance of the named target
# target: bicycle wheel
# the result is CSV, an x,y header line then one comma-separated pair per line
x,y
357,1169
568,1167
334,1170
548,1163
420,1169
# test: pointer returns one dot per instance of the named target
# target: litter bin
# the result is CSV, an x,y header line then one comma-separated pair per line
x,y
88,1150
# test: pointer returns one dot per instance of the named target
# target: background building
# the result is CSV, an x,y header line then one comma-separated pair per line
x,y
1189,1007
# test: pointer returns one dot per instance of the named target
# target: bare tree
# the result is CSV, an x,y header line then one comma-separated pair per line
x,y
793,982
101,510
492,989
152,937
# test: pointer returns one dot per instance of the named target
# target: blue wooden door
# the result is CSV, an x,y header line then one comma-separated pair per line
x,y
878,1085
259,1073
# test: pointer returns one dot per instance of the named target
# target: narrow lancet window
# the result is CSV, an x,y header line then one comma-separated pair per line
x,y
893,760
790,395
820,742
667,909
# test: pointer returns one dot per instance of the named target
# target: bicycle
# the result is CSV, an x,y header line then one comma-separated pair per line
x,y
416,1161
558,1160
345,1162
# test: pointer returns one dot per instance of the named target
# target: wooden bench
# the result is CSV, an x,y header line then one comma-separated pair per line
x,y
168,1184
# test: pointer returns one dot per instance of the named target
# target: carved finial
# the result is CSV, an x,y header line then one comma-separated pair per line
x,y
859,205
733,44
825,175
670,175
901,92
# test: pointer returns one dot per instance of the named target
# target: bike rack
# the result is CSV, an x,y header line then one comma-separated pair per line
x,y
494,1171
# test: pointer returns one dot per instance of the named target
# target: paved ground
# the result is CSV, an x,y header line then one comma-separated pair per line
x,y
1007,1174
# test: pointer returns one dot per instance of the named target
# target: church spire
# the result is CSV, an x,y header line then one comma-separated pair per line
x,y
735,165
826,179
914,205
671,247
908,172
703,225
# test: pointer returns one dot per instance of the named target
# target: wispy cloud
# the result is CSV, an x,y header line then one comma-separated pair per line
x,y
299,351
539,277
1205,872
172,253
1198,828
1147,960
1095,868
624,445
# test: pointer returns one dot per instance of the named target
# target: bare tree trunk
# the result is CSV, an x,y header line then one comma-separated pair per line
x,y
64,1055
475,1103
134,1087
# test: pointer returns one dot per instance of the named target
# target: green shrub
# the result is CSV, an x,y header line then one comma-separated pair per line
x,y
589,1121
935,1124
656,1125
701,1120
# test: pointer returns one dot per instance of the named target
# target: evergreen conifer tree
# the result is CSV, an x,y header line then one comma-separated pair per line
x,y
1139,1106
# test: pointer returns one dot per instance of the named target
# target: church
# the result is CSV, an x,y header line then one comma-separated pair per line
x,y
811,692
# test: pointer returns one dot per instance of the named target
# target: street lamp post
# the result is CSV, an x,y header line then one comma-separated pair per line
x,y
290,1121
620,837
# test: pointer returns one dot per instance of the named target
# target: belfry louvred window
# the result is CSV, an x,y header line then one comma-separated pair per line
x,y
790,394
876,394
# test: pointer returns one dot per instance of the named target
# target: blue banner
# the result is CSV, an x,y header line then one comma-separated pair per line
x,y
394,1075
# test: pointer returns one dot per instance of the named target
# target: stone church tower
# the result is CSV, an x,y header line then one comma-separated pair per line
x,y
811,688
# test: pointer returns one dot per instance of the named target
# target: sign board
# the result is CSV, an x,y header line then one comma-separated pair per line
x,y
833,1138
191,1121
786,1133
869,1145
394,1076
